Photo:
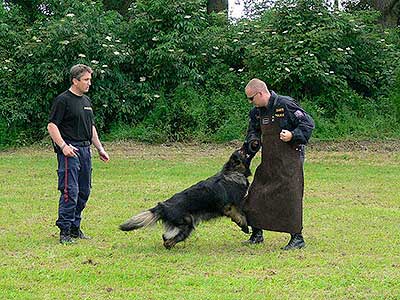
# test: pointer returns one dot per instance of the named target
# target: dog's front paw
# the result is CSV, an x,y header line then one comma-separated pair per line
x,y
241,222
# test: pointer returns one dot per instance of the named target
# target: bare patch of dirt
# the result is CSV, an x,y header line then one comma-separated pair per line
x,y
350,146
167,150
207,150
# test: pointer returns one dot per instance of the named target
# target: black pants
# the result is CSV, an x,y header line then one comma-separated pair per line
x,y
74,183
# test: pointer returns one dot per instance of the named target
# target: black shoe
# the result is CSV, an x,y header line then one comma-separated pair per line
x,y
296,242
65,238
77,233
255,238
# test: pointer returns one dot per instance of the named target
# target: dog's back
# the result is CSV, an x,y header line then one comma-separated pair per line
x,y
218,195
205,199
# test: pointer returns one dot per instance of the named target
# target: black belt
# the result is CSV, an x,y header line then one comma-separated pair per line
x,y
79,144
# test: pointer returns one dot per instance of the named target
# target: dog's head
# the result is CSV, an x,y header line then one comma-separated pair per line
x,y
238,162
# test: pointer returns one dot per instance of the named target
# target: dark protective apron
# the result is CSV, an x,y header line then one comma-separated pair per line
x,y
275,198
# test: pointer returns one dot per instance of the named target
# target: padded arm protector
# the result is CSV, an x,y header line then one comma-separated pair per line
x,y
251,148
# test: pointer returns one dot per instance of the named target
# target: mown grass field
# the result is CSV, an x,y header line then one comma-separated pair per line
x,y
351,226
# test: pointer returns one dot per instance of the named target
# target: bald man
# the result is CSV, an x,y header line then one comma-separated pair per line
x,y
281,128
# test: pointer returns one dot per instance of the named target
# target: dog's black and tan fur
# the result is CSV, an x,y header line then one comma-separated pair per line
x,y
221,194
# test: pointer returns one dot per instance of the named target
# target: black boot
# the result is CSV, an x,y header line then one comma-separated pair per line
x,y
77,233
65,237
296,242
256,237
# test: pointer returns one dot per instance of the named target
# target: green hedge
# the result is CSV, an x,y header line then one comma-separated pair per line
x,y
169,71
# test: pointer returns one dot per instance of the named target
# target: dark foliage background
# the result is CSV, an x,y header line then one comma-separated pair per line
x,y
168,70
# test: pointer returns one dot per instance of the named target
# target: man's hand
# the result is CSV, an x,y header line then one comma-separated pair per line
x,y
255,145
69,150
286,135
104,155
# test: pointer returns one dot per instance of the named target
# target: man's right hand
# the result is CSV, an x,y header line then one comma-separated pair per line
x,y
255,145
70,151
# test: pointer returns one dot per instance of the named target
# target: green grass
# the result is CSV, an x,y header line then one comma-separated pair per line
x,y
351,226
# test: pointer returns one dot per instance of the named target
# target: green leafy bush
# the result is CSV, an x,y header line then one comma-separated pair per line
x,y
40,57
167,70
304,49
189,114
165,36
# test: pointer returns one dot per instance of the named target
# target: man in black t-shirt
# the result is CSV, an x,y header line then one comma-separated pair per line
x,y
72,130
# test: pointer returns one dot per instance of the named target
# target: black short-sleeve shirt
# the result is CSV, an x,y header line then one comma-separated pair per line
x,y
73,116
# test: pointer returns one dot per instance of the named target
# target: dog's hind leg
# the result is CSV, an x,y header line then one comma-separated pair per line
x,y
176,234
170,231
184,232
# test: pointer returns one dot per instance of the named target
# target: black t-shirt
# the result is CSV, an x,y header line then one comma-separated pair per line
x,y
73,116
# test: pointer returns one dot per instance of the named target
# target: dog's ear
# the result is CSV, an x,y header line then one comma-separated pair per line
x,y
231,163
241,156
238,162
243,160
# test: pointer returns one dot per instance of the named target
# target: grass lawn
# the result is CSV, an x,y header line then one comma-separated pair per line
x,y
351,227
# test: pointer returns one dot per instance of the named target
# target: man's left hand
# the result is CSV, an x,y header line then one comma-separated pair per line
x,y
286,135
104,155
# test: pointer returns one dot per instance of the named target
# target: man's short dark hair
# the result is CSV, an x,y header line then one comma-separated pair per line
x,y
78,70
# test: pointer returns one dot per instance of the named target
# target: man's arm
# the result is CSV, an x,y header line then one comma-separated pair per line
x,y
55,135
302,123
96,142
252,142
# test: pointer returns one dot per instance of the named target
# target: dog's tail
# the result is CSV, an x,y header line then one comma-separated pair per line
x,y
144,219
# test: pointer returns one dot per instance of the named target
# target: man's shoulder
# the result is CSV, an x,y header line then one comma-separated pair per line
x,y
68,96
281,99
255,111
63,96
86,98
288,102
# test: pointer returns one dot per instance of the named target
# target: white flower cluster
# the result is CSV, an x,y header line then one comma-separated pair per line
x,y
36,39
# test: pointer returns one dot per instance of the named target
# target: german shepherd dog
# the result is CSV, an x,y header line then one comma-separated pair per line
x,y
219,195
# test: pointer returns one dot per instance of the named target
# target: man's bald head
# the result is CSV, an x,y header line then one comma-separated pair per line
x,y
257,92
256,85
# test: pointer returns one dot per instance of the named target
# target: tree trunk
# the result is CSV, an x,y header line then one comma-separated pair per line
x,y
118,5
390,10
217,6
29,7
